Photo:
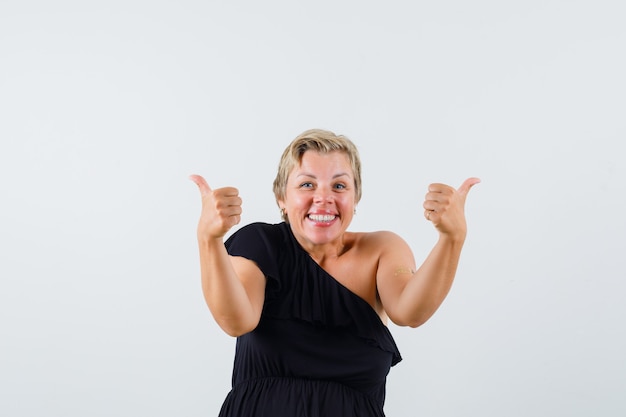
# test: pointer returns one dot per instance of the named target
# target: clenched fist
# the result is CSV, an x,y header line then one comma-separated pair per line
x,y
221,209
445,207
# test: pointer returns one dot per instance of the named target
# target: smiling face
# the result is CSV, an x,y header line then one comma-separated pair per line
x,y
320,198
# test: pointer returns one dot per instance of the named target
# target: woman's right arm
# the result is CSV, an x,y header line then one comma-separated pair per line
x,y
233,287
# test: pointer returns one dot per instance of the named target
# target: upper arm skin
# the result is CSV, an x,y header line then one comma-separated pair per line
x,y
396,266
253,281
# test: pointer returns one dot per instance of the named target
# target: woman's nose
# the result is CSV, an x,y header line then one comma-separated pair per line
x,y
322,195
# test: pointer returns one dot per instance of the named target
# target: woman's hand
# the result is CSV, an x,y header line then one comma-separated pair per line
x,y
445,207
221,209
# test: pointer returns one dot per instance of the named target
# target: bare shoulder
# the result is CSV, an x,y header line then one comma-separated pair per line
x,y
376,242
380,237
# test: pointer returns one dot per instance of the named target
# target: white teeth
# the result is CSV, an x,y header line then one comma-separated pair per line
x,y
322,217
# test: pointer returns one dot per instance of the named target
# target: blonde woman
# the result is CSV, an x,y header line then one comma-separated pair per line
x,y
309,300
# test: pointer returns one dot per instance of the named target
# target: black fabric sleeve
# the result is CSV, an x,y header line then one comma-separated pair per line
x,y
258,242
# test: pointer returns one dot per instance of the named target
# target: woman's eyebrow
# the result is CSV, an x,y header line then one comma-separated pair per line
x,y
343,174
306,174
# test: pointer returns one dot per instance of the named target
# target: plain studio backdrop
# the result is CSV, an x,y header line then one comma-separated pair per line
x,y
107,107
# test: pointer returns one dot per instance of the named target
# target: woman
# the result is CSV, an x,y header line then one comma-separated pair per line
x,y
308,300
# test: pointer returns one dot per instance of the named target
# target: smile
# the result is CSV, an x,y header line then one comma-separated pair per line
x,y
325,218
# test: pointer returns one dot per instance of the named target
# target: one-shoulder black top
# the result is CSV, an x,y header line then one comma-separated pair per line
x,y
319,349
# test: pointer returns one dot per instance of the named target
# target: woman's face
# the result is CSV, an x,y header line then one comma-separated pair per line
x,y
320,198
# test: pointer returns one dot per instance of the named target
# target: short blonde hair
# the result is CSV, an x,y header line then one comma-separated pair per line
x,y
322,141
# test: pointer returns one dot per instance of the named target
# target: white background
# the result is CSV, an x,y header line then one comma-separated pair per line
x,y
107,107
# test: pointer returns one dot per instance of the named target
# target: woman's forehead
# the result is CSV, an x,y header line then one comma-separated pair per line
x,y
312,162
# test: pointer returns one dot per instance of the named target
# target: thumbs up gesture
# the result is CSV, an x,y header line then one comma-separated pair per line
x,y
221,209
445,207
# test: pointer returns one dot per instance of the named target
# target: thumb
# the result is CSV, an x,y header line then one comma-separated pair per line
x,y
201,183
467,184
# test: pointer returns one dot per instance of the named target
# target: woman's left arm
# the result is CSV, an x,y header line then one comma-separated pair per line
x,y
410,297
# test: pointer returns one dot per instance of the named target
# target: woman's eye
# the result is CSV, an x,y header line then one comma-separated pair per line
x,y
340,186
306,185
